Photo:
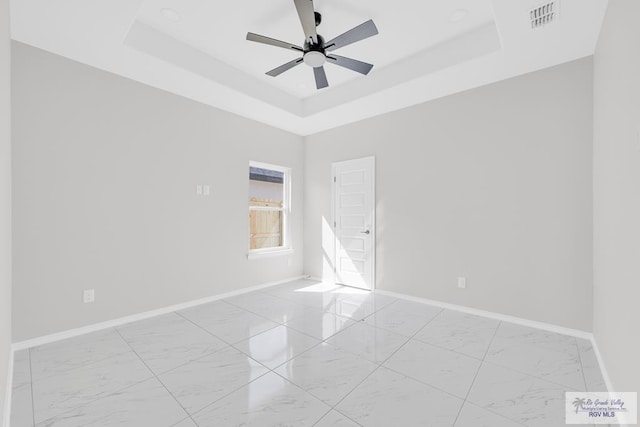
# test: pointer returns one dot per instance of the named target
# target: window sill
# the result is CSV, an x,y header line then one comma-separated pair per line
x,y
269,253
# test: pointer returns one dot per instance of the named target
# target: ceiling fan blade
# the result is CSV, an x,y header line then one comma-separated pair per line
x,y
273,42
321,77
307,19
361,32
284,67
352,64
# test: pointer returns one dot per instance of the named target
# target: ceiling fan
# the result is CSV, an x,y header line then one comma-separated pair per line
x,y
315,51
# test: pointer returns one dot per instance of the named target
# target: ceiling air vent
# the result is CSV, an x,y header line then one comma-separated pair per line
x,y
544,14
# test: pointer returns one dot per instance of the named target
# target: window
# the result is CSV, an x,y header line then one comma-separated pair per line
x,y
269,207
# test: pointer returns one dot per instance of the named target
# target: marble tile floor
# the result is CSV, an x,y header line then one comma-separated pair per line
x,y
305,354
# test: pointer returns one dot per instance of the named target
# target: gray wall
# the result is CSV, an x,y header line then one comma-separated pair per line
x,y
493,184
105,175
5,199
617,194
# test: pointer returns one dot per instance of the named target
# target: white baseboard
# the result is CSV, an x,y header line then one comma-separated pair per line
x,y
491,315
517,320
6,413
141,316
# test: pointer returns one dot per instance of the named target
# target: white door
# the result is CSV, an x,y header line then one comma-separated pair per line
x,y
354,222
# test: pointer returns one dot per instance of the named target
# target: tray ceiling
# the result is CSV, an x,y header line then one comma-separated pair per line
x,y
196,48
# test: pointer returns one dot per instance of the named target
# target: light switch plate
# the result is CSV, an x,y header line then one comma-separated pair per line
x,y
199,190
207,190
462,282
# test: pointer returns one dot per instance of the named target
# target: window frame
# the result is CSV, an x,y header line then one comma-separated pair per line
x,y
285,209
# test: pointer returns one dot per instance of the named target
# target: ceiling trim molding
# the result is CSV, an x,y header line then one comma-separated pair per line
x,y
148,40
466,47
474,44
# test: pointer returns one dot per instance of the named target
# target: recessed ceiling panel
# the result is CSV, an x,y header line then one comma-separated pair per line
x,y
425,49
220,28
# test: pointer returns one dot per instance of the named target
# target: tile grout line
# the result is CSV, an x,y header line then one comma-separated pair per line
x,y
330,336
115,329
272,296
270,371
33,405
477,372
103,397
286,361
228,394
431,345
584,377
185,419
296,303
384,361
322,417
508,368
445,348
335,410
410,337
229,343
413,337
333,407
93,362
289,320
407,338
233,346
152,373
202,356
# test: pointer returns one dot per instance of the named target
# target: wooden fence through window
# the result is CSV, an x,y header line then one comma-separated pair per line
x,y
265,226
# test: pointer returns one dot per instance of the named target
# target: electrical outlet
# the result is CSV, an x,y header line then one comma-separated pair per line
x,y
207,190
199,190
89,295
462,282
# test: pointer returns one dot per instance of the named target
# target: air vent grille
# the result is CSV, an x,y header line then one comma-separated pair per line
x,y
544,14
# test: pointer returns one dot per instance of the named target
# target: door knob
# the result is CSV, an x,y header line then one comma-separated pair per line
x,y
366,232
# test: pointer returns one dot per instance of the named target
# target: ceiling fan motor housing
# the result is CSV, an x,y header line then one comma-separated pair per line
x,y
314,49
314,55
319,47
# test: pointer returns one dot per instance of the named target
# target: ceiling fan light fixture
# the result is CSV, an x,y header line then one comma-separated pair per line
x,y
314,59
314,52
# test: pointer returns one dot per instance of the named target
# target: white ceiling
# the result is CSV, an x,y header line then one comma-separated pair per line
x,y
420,54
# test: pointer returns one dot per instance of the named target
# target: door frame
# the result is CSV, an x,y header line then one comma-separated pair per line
x,y
373,218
